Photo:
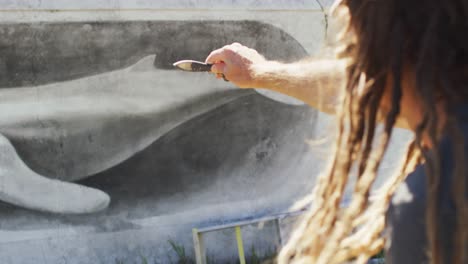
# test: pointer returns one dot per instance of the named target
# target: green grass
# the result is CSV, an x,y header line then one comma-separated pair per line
x,y
182,258
143,260
253,257
180,252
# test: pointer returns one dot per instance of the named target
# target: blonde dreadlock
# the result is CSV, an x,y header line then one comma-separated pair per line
x,y
382,37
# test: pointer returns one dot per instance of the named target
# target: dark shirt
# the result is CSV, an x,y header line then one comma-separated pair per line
x,y
406,227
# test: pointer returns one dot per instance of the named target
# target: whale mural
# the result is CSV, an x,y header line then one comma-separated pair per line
x,y
70,130
103,141
107,152
57,133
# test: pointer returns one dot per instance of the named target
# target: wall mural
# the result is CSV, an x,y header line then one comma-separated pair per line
x,y
107,151
82,98
95,124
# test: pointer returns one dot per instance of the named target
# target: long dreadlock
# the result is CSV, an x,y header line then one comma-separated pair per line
x,y
383,36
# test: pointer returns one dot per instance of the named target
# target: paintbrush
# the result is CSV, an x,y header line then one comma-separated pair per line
x,y
195,66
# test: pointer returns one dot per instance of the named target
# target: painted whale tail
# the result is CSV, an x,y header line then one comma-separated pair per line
x,y
21,186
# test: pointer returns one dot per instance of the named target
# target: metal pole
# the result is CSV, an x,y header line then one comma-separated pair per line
x,y
240,245
199,247
278,230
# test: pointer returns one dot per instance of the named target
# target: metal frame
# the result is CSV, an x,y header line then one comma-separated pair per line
x,y
197,233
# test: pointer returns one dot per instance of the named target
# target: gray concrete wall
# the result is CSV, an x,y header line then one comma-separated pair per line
x,y
107,153
84,105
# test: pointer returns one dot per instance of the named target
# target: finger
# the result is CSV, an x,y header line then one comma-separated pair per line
x,y
215,56
234,47
218,67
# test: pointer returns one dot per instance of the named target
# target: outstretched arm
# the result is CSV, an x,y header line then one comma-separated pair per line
x,y
317,82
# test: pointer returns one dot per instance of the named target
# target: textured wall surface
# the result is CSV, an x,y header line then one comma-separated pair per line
x,y
92,122
38,53
166,4
107,152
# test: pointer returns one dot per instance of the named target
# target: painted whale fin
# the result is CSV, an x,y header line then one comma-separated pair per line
x,y
144,64
21,186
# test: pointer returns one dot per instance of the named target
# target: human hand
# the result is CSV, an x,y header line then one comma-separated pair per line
x,y
235,62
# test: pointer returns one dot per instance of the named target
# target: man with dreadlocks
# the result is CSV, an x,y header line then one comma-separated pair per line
x,y
402,63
